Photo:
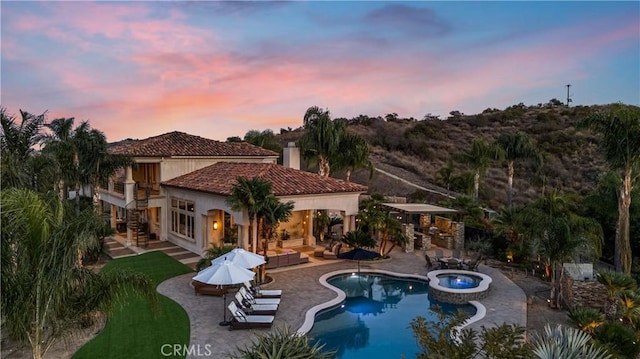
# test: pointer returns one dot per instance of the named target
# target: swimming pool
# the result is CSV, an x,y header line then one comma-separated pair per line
x,y
373,319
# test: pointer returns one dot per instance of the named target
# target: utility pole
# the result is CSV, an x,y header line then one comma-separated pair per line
x,y
569,100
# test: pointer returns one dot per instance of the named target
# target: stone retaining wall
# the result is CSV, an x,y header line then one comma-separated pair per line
x,y
456,298
577,293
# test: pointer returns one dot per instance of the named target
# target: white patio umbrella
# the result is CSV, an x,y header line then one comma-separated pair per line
x,y
225,273
242,258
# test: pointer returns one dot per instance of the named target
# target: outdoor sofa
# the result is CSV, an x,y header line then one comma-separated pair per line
x,y
287,257
207,289
329,252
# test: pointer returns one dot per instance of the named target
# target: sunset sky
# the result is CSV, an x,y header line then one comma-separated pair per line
x,y
219,69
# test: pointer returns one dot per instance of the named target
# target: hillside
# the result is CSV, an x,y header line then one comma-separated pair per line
x,y
416,149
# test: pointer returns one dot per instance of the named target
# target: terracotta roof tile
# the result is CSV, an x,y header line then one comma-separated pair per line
x,y
183,144
220,178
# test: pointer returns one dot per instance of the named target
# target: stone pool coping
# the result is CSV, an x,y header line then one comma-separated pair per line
x,y
310,315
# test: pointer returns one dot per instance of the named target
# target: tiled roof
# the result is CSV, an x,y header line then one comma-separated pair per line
x,y
220,178
183,144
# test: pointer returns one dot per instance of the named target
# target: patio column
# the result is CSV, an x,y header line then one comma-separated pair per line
x,y
309,227
310,239
243,237
114,217
346,222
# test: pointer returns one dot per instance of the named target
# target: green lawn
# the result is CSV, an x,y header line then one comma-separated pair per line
x,y
134,331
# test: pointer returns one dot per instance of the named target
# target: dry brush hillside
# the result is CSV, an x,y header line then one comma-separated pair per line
x,y
415,150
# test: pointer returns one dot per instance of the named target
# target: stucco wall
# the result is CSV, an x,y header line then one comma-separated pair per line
x,y
347,202
203,203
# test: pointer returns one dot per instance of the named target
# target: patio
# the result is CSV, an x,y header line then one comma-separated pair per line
x,y
506,302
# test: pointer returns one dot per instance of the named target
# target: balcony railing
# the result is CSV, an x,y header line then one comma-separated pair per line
x,y
118,187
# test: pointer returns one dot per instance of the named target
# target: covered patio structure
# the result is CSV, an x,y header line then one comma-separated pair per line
x,y
206,192
425,224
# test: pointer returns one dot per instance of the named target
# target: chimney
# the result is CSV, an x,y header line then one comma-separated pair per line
x,y
291,156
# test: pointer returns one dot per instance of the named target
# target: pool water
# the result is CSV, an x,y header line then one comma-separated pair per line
x,y
459,281
373,322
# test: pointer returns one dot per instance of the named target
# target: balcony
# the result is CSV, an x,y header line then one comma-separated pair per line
x,y
115,194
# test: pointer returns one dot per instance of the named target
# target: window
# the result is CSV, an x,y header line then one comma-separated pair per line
x,y
183,218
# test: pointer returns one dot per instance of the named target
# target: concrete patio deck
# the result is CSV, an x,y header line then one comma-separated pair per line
x,y
505,303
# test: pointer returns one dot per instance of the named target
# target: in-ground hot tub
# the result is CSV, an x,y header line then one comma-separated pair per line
x,y
457,286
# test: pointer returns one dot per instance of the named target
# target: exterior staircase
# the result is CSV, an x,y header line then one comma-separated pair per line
x,y
137,223
135,209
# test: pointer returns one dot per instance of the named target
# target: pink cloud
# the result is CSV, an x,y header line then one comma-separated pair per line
x,y
166,74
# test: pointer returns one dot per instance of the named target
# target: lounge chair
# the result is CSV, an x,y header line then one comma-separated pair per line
x,y
473,264
257,309
253,300
455,253
263,293
242,320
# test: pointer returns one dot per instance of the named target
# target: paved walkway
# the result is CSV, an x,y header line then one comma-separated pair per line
x,y
506,302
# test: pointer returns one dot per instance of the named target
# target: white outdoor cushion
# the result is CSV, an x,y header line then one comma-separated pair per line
x,y
254,300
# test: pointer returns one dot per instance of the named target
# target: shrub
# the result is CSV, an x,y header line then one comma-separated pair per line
x,y
444,339
210,254
559,342
282,344
587,319
618,340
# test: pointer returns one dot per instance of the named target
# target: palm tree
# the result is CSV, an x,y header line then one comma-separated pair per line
x,y
358,239
61,145
353,154
250,195
587,319
444,176
95,164
619,128
629,304
473,214
558,233
334,221
516,146
321,140
46,293
390,231
508,224
479,157
17,146
615,283
320,223
265,139
371,214
272,213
